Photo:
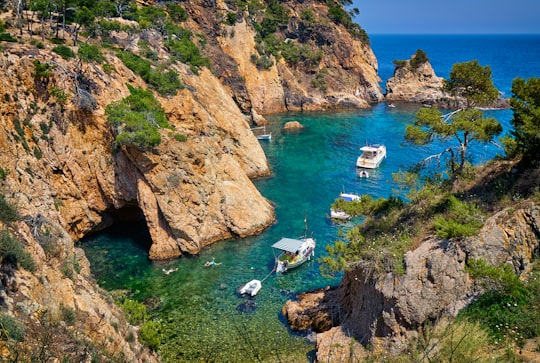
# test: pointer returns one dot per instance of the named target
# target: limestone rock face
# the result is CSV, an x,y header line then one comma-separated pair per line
x,y
386,309
346,75
190,193
416,86
61,289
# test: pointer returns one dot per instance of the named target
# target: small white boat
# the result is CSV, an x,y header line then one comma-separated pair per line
x,y
391,105
349,197
363,174
251,288
339,214
261,133
371,157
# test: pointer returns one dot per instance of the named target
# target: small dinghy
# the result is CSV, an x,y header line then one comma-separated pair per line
x,y
363,174
251,288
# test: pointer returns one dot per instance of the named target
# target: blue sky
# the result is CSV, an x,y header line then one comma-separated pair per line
x,y
448,16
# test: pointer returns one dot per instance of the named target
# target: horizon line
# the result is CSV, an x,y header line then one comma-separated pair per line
x,y
375,33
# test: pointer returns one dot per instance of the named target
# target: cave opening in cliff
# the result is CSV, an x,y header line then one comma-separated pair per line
x,y
125,224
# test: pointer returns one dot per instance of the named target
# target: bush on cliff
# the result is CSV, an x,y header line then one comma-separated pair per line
x,y
12,252
8,212
166,83
137,119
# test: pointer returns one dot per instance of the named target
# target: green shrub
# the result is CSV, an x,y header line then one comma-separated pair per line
x,y
8,212
42,70
108,26
150,334
165,83
64,51
510,308
135,311
230,19
419,58
137,119
180,137
176,12
6,37
69,315
3,174
400,63
37,153
187,52
137,64
59,94
10,329
460,219
12,250
90,53
320,80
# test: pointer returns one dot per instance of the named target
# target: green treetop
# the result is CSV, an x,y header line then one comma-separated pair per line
x,y
525,102
472,82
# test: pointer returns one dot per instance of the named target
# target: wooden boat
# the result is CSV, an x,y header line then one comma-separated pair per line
x,y
371,157
292,253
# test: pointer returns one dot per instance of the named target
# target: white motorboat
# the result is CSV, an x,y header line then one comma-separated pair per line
x,y
349,197
261,133
251,288
371,157
339,214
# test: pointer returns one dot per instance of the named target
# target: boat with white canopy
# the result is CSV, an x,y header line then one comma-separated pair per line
x,y
292,252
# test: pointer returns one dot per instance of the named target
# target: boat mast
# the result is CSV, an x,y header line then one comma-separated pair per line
x,y
305,225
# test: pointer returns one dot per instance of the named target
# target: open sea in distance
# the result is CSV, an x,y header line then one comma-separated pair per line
x,y
203,319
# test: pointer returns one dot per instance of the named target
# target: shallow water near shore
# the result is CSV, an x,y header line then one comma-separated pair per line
x,y
203,317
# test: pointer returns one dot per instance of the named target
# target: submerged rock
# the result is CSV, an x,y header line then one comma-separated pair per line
x,y
248,306
293,125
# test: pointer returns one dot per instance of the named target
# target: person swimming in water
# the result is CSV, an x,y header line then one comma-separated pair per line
x,y
212,263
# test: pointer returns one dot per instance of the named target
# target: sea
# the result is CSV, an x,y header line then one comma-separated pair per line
x,y
201,315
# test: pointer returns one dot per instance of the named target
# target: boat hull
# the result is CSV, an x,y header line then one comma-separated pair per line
x,y
285,261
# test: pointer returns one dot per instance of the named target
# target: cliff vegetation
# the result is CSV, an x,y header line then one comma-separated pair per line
x,y
141,111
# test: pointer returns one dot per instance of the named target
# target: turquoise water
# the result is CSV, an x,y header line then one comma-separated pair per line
x,y
203,317
199,305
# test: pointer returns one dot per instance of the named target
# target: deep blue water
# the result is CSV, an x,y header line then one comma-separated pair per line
x,y
509,55
199,306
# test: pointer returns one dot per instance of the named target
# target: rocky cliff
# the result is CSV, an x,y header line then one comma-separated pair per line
x,y
385,311
62,169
